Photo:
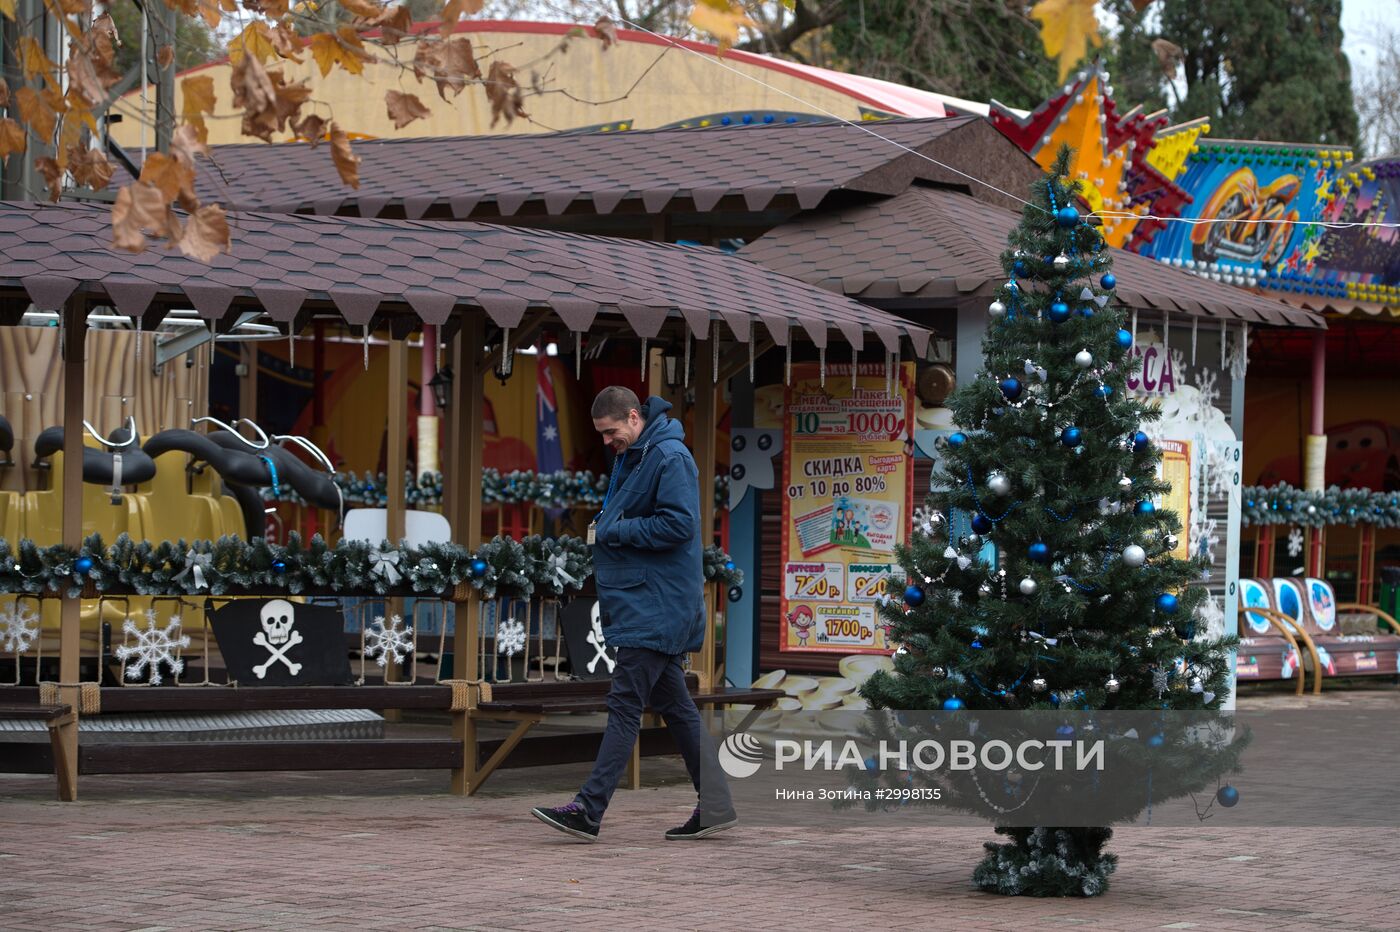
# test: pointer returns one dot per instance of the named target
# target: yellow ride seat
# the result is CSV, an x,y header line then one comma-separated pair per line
x,y
207,483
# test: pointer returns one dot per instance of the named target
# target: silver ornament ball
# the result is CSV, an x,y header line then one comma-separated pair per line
x,y
1029,586
1112,684
984,589
1061,262
938,673
1038,685
1171,541
997,309
972,541
1083,359
1133,555
1125,483
999,484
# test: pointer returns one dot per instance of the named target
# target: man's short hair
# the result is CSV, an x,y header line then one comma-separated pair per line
x,y
615,402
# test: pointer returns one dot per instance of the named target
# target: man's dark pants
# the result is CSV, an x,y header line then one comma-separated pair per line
x,y
646,678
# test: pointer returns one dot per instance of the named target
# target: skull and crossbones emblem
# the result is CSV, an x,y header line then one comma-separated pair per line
x,y
277,636
600,647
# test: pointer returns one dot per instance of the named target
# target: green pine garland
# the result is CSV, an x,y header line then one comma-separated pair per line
x,y
543,566
1283,504
562,489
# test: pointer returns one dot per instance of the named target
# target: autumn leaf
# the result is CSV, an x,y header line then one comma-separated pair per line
x,y
187,7
404,108
38,115
311,128
89,167
286,42
342,47
607,32
364,9
394,23
53,176
1067,28
346,162
165,57
504,93
12,138
4,93
722,19
75,7
198,96
454,10
33,60
273,9
206,233
447,62
90,62
185,144
167,174
7,7
79,112
253,40
211,12
1169,57
140,207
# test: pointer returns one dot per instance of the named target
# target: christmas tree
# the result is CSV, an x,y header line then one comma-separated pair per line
x,y
1087,603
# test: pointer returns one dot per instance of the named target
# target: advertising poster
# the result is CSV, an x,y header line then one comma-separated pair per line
x,y
848,479
1175,467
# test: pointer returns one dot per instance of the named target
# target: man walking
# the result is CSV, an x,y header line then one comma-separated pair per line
x,y
647,567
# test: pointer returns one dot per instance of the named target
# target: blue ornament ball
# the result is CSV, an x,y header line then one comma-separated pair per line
x,y
1227,796
1156,741
914,596
279,567
957,439
1039,552
1071,436
1125,339
1067,217
729,565
1019,267
952,704
1167,603
478,568
1108,281
83,565
1103,391
1059,312
981,523
1011,388
976,644
1145,507
1140,441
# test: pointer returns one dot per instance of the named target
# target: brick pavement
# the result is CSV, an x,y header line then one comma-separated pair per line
x,y
391,850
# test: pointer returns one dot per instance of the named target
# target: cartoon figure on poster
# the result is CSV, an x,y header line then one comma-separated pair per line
x,y
1324,609
847,464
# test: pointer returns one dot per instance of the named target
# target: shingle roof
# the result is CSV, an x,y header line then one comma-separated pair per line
x,y
940,244
422,269
501,176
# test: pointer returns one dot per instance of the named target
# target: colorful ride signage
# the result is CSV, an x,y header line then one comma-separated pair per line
x,y
847,472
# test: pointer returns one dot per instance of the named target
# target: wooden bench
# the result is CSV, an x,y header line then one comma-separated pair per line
x,y
525,704
528,704
53,716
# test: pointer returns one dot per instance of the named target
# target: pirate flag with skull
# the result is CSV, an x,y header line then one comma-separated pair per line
x,y
274,642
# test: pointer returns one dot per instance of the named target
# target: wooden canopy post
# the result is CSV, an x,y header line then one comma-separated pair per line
x,y
74,339
704,444
1264,552
395,465
1316,553
1366,564
468,402
248,382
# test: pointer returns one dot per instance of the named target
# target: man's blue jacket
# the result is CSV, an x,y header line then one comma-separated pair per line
x,y
647,558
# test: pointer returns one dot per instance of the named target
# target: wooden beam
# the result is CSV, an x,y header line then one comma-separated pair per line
x,y
396,461
74,340
468,400
704,445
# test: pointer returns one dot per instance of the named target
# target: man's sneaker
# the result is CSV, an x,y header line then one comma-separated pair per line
x,y
570,819
700,826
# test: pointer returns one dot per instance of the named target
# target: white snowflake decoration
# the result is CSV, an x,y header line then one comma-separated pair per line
x,y
510,637
385,641
154,646
19,628
1295,542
